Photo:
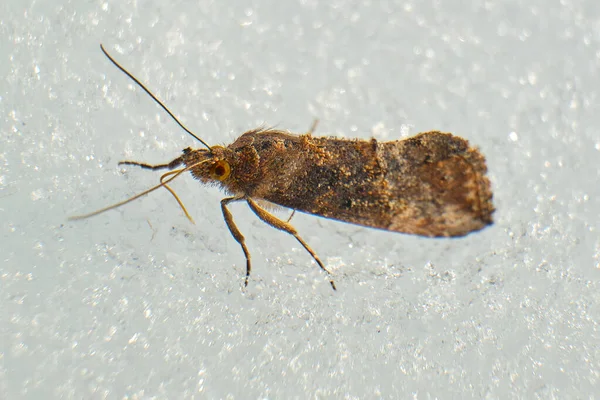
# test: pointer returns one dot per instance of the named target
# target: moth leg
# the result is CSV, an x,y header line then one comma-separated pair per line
x,y
235,232
171,165
284,226
313,127
291,215
162,181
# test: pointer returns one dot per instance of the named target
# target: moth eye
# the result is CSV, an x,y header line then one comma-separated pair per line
x,y
220,170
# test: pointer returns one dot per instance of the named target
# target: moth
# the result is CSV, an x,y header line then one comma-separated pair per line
x,y
433,184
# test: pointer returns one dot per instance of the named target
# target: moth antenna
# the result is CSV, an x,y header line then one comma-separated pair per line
x,y
163,183
160,103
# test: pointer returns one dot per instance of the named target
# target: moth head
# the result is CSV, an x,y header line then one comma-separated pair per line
x,y
210,165
219,170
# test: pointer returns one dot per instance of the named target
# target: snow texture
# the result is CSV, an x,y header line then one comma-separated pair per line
x,y
140,303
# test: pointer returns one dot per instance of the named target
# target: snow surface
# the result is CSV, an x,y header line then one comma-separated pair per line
x,y
140,303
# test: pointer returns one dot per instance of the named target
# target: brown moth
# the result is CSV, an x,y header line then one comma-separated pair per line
x,y
432,184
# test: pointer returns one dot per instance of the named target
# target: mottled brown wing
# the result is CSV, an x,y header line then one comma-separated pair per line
x,y
432,184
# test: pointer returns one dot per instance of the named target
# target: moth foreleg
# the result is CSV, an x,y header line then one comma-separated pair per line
x,y
284,226
173,164
235,232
